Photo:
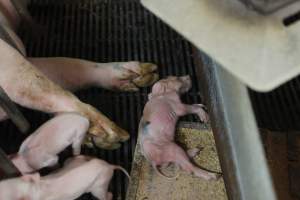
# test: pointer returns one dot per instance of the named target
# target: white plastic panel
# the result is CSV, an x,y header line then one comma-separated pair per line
x,y
259,50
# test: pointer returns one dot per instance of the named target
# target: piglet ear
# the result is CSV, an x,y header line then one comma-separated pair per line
x,y
31,177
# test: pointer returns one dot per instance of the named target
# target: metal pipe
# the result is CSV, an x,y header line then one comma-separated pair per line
x,y
21,8
7,168
13,112
239,145
26,19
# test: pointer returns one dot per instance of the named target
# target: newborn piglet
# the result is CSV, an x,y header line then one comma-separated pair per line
x,y
40,149
157,126
79,175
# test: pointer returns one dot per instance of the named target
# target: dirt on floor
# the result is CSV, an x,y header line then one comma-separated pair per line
x,y
282,153
148,185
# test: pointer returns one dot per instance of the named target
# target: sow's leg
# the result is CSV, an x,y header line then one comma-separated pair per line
x,y
28,87
71,73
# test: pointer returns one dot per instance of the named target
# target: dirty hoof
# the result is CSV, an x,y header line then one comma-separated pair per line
x,y
144,75
104,131
108,138
202,114
96,142
111,133
130,76
194,151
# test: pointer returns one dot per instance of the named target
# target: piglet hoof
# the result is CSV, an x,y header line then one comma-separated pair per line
x,y
194,152
214,177
145,72
202,114
88,141
106,133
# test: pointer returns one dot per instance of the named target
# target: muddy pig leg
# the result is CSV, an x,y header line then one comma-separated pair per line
x,y
71,73
27,86
175,154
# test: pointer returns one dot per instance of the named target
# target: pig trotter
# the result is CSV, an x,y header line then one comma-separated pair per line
x,y
103,132
193,152
202,114
98,142
145,80
145,72
130,76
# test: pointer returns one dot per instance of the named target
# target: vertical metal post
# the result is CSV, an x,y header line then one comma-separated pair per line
x,y
7,169
238,142
13,112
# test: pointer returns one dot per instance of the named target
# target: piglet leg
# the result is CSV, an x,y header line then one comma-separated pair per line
x,y
173,153
48,160
76,146
193,152
198,110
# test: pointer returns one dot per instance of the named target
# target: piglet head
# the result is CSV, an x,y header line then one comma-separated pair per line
x,y
172,83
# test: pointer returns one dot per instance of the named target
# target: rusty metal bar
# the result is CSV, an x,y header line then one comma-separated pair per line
x,y
6,37
7,168
26,19
13,112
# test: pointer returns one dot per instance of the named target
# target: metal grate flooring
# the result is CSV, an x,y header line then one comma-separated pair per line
x,y
106,31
